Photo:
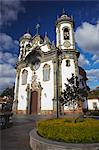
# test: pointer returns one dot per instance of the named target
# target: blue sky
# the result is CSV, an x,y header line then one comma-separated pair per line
x,y
17,16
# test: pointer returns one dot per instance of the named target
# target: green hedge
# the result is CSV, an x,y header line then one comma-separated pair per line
x,y
94,113
66,130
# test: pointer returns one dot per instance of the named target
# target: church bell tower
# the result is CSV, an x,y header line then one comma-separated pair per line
x,y
64,32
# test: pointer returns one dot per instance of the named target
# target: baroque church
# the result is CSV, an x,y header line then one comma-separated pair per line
x,y
43,67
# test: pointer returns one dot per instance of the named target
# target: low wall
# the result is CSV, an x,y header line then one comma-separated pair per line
x,y
39,143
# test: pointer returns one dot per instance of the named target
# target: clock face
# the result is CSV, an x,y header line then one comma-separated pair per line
x,y
67,44
36,65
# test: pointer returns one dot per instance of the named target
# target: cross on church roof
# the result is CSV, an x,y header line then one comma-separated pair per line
x,y
28,30
37,28
63,11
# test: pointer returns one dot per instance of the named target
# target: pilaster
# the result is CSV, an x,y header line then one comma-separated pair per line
x,y
28,89
15,104
76,64
54,100
57,78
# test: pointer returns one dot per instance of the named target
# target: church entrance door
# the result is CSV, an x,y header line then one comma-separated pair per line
x,y
34,103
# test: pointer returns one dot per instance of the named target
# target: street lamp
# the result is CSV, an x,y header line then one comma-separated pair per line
x,y
59,52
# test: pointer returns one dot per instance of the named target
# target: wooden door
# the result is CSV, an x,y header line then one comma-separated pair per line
x,y
34,103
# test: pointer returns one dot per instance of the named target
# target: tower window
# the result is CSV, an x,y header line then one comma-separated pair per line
x,y
46,72
24,77
67,63
66,34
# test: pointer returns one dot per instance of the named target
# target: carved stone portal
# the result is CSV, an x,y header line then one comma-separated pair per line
x,y
36,87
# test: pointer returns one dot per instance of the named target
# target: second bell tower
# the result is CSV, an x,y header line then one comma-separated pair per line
x,y
64,32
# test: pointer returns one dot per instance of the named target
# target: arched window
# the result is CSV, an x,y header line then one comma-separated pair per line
x,y
66,34
24,76
67,63
46,72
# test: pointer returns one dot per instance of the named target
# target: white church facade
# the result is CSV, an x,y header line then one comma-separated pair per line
x,y
42,66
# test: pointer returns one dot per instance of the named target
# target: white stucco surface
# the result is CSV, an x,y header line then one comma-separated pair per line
x,y
47,94
48,87
59,34
90,103
22,94
45,48
67,71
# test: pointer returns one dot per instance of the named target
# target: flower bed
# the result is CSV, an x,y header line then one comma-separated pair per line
x,y
66,130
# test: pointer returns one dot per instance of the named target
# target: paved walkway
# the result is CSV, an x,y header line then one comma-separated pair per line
x,y
17,137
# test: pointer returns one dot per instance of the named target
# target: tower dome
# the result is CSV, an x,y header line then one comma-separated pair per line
x,y
64,17
64,32
27,35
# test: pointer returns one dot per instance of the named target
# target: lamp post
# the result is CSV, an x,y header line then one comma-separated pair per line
x,y
57,79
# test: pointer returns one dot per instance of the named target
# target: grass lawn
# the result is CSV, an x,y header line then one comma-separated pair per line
x,y
66,130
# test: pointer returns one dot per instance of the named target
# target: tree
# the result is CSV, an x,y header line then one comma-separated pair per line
x,y
93,94
9,92
73,93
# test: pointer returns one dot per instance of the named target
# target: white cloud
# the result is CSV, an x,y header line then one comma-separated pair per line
x,y
8,58
87,37
7,76
97,61
6,82
10,10
82,61
93,74
7,69
7,43
95,58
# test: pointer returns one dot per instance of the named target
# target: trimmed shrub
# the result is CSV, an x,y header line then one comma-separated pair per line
x,y
94,113
66,130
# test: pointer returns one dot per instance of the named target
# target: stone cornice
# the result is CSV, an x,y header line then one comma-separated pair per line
x,y
63,21
51,55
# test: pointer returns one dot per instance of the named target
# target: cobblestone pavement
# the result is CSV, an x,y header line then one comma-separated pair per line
x,y
17,136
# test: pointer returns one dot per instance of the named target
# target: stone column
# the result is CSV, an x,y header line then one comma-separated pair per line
x,y
76,64
54,100
15,103
60,75
28,99
57,81
39,97
60,82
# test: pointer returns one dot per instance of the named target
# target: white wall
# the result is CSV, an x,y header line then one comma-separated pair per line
x,y
45,48
90,104
71,40
67,71
48,87
22,95
47,93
